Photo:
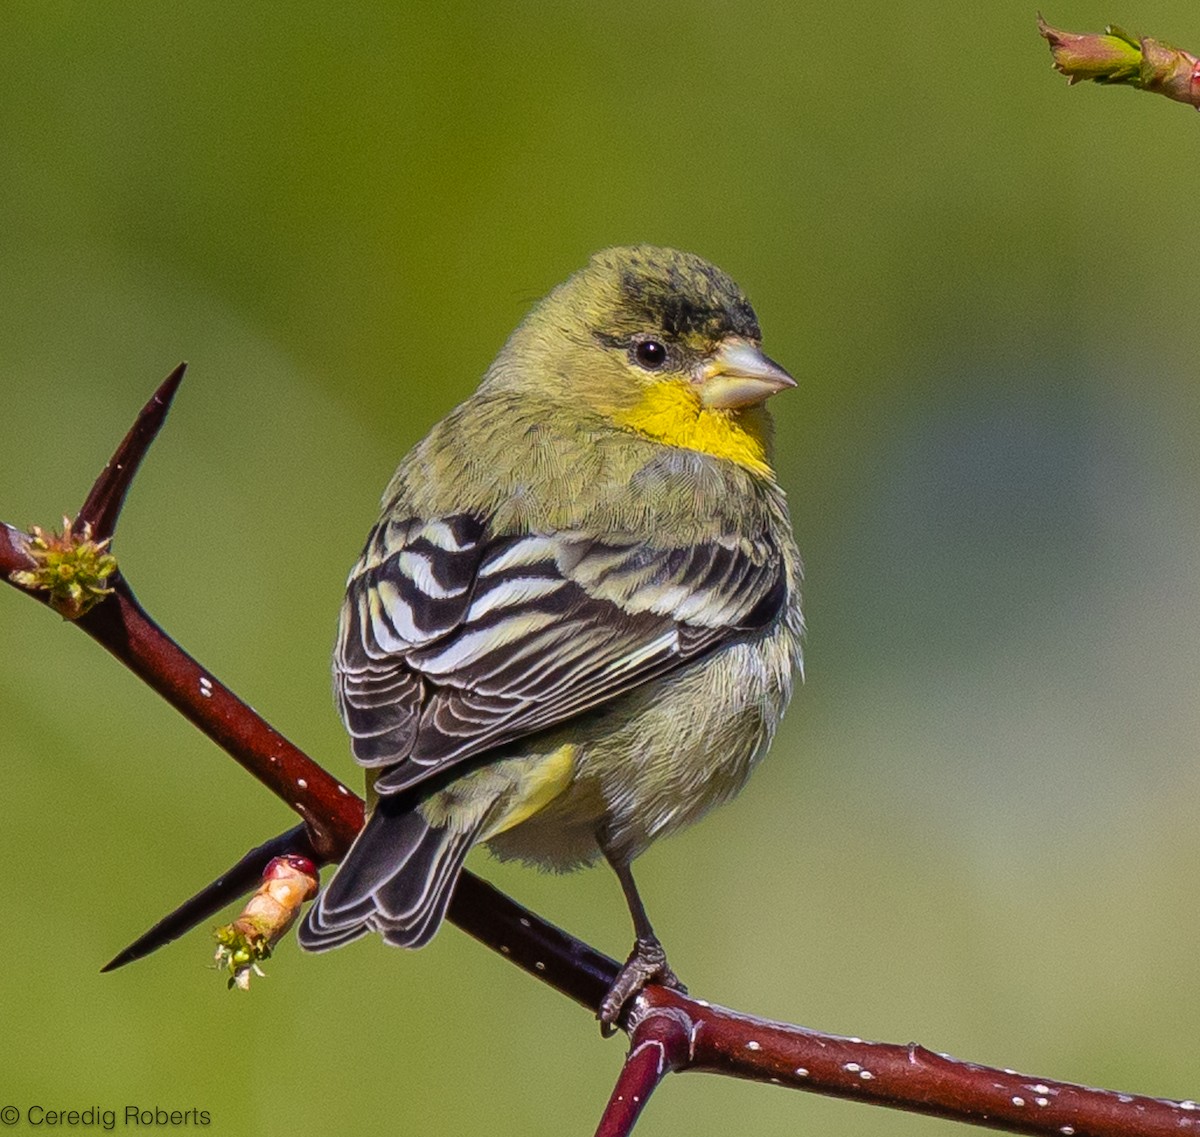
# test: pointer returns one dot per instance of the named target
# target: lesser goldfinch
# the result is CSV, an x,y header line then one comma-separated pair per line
x,y
575,626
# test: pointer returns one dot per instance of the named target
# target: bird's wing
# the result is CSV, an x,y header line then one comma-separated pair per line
x,y
453,641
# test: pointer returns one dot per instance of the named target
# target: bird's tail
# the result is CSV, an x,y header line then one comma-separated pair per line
x,y
397,879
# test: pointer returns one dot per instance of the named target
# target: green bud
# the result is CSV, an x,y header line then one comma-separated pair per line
x,y
70,566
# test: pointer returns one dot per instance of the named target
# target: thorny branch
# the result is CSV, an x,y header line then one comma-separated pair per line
x,y
668,1031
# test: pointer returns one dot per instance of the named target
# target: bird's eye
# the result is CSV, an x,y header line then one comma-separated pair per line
x,y
650,354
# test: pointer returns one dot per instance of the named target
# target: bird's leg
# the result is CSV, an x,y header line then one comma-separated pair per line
x,y
646,964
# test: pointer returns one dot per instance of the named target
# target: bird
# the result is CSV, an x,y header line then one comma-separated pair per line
x,y
576,624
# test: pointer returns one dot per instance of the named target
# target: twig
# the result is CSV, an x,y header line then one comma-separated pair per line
x,y
1117,57
668,1031
658,1045
689,1034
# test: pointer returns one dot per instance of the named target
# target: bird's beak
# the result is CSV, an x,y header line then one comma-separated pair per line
x,y
739,375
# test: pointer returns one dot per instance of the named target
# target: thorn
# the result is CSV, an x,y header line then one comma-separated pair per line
x,y
104,502
231,885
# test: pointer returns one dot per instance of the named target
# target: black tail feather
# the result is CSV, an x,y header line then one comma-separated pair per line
x,y
397,879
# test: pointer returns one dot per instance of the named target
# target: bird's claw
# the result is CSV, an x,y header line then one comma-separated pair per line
x,y
646,964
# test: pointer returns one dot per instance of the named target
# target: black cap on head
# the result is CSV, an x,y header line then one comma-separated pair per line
x,y
680,293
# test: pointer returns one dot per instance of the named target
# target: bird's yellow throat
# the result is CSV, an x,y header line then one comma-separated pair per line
x,y
672,413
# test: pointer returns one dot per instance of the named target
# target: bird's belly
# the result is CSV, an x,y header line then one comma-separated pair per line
x,y
655,762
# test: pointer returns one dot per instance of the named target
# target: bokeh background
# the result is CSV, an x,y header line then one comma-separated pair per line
x,y
978,826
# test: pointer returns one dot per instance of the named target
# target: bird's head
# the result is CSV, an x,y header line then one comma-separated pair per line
x,y
639,325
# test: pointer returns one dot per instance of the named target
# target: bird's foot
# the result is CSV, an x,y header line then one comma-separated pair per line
x,y
646,964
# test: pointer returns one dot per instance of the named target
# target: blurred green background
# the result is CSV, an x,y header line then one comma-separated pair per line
x,y
978,827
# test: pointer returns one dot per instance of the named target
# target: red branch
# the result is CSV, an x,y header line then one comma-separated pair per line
x,y
907,1077
659,1044
668,1031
